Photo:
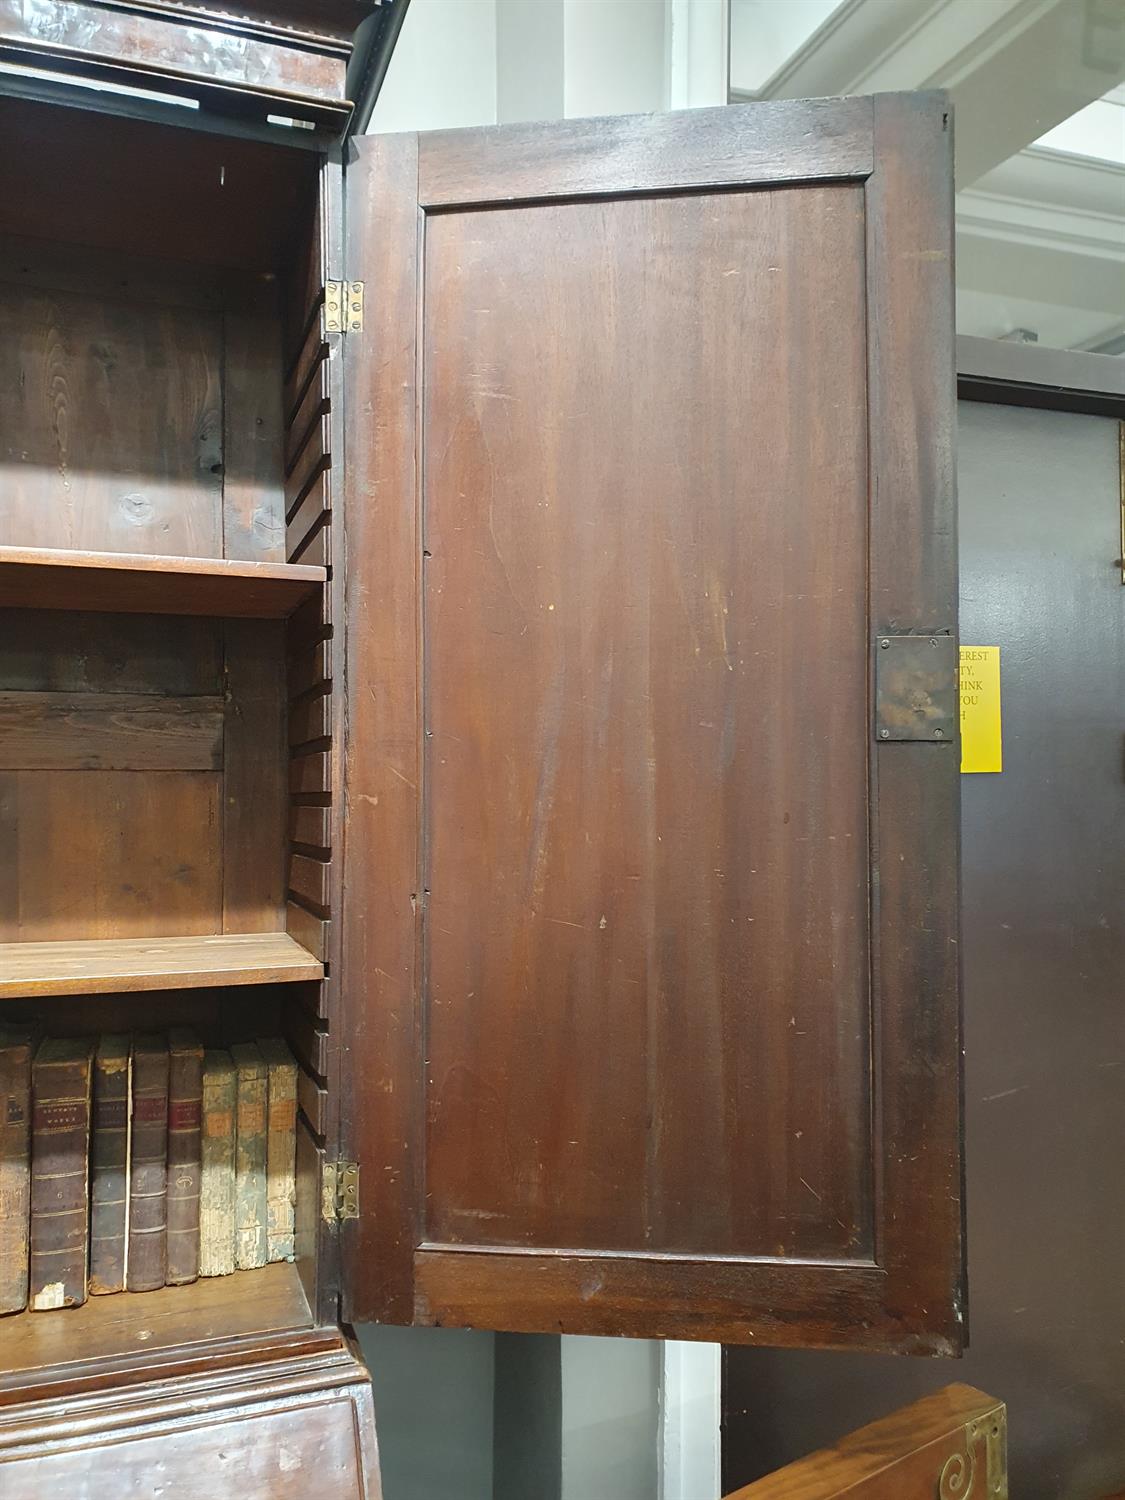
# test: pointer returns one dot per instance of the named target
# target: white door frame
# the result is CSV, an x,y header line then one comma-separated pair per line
x,y
690,1416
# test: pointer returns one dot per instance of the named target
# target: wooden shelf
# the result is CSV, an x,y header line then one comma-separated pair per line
x,y
249,1303
117,965
132,583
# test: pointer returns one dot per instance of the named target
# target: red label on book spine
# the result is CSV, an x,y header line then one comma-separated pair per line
x,y
185,1114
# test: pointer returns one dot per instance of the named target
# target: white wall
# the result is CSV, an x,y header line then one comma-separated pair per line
x,y
477,62
614,57
610,1419
443,71
529,60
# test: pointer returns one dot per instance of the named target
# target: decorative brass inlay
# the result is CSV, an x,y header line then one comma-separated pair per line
x,y
957,1476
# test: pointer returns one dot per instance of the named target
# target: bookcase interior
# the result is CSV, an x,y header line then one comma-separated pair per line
x,y
39,1349
162,640
142,776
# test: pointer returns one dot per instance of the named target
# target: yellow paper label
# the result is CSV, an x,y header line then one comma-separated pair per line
x,y
981,748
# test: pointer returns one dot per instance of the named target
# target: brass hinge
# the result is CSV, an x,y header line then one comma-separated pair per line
x,y
985,1459
916,688
994,1431
339,1191
343,307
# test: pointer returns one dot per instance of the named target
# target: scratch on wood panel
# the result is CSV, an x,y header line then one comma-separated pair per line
x,y
548,759
394,772
492,534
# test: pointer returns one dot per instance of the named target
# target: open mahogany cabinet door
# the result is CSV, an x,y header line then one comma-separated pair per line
x,y
649,962
949,1446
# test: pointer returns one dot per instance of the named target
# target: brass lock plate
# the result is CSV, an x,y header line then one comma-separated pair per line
x,y
916,688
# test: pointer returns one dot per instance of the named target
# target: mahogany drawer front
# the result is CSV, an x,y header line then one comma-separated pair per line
x,y
296,1450
287,1426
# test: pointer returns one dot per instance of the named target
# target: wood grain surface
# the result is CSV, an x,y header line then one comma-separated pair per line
x,y
142,777
111,453
613,974
103,854
774,142
42,578
646,743
250,1302
109,732
937,1446
254,776
223,1384
115,965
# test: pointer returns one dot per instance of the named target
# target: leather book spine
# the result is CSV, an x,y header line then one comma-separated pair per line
x,y
15,1166
60,1173
216,1202
281,1148
109,1166
250,1240
185,1112
148,1164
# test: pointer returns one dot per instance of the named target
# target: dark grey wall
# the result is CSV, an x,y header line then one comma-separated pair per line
x,y
468,1415
433,1410
1044,961
527,1433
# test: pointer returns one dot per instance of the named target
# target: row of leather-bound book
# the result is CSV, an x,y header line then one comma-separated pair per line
x,y
129,1163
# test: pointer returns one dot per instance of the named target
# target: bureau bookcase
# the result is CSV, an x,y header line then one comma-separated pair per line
x,y
479,605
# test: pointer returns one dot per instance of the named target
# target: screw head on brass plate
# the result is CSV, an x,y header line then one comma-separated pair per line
x,y
916,687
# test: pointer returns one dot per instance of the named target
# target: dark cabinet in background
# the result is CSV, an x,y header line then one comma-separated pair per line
x,y
529,549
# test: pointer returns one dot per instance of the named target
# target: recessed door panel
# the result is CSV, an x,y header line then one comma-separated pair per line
x,y
645,691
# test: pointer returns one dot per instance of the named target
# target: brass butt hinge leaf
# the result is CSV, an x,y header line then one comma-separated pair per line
x,y
343,307
339,1191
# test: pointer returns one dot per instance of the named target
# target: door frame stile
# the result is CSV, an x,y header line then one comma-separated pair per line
x,y
915,786
382,898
